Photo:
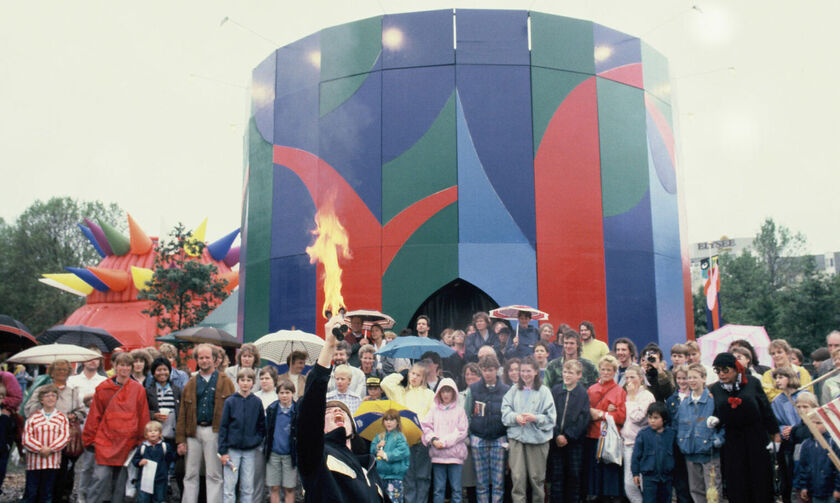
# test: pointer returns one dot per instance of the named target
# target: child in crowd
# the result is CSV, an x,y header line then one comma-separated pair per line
x,y
636,405
697,441
392,454
7,435
342,393
566,448
45,434
445,428
653,456
281,469
374,391
817,479
679,354
268,386
787,381
241,433
153,449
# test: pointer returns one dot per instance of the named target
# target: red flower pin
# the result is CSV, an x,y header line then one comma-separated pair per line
x,y
734,402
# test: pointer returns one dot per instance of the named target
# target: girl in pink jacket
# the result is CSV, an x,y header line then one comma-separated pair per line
x,y
445,428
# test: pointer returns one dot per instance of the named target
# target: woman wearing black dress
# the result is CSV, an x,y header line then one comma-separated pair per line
x,y
744,412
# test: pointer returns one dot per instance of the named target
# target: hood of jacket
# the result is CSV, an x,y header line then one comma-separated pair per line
x,y
446,382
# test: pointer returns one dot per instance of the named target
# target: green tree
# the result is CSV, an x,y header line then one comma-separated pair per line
x,y
45,239
780,250
183,290
807,309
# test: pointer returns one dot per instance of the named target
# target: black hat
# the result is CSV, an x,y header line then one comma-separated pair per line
x,y
724,360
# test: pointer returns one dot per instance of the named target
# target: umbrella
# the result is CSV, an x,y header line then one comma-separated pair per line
x,y
413,347
80,335
209,335
276,347
14,334
371,316
718,342
512,313
368,419
45,354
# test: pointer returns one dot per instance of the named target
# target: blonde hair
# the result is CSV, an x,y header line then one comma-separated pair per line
x,y
780,344
807,398
681,368
639,373
344,371
421,369
153,426
573,365
609,360
699,368
246,373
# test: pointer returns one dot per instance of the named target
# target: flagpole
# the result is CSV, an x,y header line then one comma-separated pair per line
x,y
823,377
816,432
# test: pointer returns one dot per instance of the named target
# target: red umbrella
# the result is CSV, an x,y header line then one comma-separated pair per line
x,y
15,335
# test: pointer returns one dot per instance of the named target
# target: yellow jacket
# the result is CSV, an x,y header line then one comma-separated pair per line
x,y
769,384
417,399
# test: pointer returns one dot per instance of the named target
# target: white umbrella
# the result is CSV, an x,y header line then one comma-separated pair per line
x,y
719,340
46,354
276,347
371,317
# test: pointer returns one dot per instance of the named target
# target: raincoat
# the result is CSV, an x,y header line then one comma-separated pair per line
x,y
448,423
118,416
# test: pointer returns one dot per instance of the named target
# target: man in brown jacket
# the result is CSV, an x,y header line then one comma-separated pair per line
x,y
197,429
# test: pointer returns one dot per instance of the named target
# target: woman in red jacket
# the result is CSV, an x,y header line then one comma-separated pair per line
x,y
605,397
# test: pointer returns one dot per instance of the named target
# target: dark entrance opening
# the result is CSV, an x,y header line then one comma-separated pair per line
x,y
453,306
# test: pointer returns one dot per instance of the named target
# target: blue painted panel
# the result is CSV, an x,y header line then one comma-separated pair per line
x,y
497,105
293,283
417,39
507,272
296,94
411,101
616,48
670,298
498,37
350,140
293,214
263,84
482,217
629,266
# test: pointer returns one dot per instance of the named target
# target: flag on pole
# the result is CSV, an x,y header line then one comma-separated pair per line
x,y
711,272
830,416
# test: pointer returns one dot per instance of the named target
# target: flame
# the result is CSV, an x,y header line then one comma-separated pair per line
x,y
331,241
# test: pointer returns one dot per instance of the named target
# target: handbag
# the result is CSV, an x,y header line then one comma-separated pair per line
x,y
610,447
75,447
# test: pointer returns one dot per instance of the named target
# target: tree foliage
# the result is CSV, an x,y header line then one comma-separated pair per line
x,y
45,239
183,290
778,288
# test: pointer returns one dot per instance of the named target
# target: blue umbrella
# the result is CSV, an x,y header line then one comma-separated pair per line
x,y
414,347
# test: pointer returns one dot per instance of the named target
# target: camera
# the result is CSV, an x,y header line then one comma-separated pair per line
x,y
651,357
340,330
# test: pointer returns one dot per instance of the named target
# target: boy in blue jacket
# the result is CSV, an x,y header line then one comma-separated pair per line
x,y
241,434
153,449
817,479
653,456
280,443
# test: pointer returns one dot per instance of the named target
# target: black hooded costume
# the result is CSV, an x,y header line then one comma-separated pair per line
x,y
329,471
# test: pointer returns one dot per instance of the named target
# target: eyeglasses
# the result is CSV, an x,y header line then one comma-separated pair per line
x,y
721,370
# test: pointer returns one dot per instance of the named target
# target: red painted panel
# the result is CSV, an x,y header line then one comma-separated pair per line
x,y
570,238
403,225
628,74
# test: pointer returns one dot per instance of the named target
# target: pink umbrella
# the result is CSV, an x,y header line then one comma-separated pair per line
x,y
718,342
512,313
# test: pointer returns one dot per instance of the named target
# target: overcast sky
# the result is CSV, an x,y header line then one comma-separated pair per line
x,y
145,103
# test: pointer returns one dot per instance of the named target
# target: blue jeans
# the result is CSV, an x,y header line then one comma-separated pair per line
x,y
158,497
39,486
656,491
442,472
418,477
244,461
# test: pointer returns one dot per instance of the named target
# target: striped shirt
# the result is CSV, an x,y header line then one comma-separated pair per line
x,y
165,397
52,431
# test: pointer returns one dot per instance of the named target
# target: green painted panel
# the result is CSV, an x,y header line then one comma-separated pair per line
x,y
350,49
656,74
336,92
427,261
429,166
258,248
562,43
548,90
624,158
